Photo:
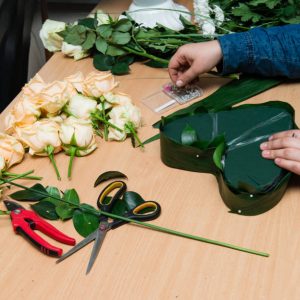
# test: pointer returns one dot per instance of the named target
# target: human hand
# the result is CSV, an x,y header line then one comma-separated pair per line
x,y
284,148
193,59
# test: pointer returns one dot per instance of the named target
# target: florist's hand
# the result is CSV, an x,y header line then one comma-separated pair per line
x,y
284,148
193,59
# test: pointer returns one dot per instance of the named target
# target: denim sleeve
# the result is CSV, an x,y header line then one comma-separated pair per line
x,y
269,52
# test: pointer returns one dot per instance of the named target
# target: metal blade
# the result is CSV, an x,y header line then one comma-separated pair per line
x,y
80,245
101,233
12,205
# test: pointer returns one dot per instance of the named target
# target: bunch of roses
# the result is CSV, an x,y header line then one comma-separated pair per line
x,y
66,115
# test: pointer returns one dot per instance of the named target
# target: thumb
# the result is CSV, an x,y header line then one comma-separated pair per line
x,y
187,76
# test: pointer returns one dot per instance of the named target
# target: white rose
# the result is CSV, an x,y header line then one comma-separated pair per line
x,y
77,133
129,113
39,136
48,34
102,18
34,86
11,151
74,51
117,98
81,106
219,14
114,134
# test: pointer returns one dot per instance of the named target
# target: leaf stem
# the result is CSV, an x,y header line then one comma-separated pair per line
x,y
155,58
152,226
5,173
107,122
50,152
72,155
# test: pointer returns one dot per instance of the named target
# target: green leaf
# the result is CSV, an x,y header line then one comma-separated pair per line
x,y
87,22
120,68
105,30
76,35
45,209
101,45
123,25
90,40
53,191
119,208
84,223
218,154
188,135
246,14
64,211
120,38
114,51
36,193
132,200
269,3
109,175
71,196
103,62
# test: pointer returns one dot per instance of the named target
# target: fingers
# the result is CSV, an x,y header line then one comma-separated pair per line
x,y
288,133
284,149
290,165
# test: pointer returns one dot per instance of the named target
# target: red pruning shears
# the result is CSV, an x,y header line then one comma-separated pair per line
x,y
26,221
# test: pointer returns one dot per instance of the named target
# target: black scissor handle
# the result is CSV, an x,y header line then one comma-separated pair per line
x,y
146,211
106,206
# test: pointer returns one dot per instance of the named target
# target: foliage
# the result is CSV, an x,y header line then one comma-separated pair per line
x,y
240,16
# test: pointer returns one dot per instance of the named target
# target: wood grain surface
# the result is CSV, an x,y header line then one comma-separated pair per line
x,y
138,263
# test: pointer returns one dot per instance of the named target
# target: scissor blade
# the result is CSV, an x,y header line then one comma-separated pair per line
x,y
80,245
12,205
101,233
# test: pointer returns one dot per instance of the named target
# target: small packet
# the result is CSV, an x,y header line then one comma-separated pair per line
x,y
170,96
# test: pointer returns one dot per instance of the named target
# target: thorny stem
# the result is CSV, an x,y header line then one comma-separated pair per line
x,y
155,58
133,132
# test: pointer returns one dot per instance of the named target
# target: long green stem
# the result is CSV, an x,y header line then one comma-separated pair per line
x,y
72,155
147,55
50,152
19,176
151,226
5,173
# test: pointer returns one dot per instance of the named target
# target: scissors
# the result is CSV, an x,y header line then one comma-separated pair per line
x,y
26,221
148,210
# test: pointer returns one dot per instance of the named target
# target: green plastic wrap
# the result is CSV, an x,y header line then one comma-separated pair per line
x,y
226,143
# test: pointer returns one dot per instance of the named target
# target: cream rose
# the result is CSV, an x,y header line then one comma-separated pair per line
x,y
74,51
39,136
23,113
76,80
81,106
129,113
48,34
11,151
54,97
78,138
114,134
34,86
98,83
117,98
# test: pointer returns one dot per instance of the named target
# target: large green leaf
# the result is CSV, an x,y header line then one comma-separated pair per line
x,y
45,209
36,193
71,196
123,25
109,175
120,38
132,199
84,222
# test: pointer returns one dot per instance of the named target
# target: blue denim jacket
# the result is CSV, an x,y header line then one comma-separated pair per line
x,y
269,52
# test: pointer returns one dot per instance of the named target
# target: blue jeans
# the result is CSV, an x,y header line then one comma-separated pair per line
x,y
269,52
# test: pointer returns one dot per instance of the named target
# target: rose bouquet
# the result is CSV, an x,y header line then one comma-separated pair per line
x,y
66,115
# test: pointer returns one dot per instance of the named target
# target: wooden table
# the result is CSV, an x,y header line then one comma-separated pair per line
x,y
137,263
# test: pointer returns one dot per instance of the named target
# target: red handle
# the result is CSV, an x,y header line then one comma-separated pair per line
x,y
37,241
